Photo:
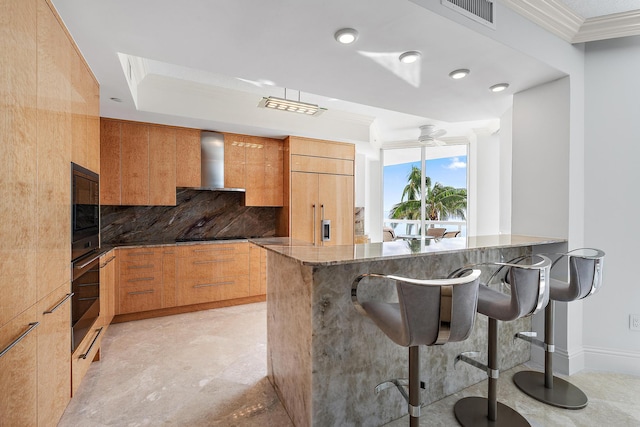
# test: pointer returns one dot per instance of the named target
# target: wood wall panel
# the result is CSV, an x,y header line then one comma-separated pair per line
x,y
336,194
54,357
234,160
54,152
18,405
188,158
18,150
304,207
134,164
162,165
110,155
79,146
93,124
321,148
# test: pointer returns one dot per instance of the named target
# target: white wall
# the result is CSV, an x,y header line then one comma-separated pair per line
x,y
505,136
486,173
612,154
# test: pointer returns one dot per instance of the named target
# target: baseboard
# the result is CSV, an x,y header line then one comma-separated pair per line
x,y
612,360
563,362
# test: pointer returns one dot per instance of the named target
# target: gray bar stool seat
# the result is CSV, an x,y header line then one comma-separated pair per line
x,y
529,293
428,312
585,279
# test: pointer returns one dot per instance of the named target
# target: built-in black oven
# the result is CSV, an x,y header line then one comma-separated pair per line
x,y
85,302
85,211
85,256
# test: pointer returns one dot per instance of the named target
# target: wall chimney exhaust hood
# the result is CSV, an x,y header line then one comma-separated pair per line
x,y
212,162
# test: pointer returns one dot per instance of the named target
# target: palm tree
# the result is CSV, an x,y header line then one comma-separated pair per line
x,y
441,202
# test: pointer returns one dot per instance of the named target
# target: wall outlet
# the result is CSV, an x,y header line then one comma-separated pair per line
x,y
634,322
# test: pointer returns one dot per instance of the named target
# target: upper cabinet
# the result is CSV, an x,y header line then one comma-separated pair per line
x,y
319,192
255,164
142,164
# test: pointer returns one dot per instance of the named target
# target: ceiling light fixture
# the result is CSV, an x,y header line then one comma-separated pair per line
x,y
284,104
459,74
499,87
346,35
410,57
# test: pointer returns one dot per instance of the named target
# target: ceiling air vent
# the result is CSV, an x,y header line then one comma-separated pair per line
x,y
479,10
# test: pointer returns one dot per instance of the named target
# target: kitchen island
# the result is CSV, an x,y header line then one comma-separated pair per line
x,y
325,359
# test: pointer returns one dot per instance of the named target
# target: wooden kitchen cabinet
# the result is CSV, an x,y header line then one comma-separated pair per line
x,y
255,164
18,406
54,356
108,272
140,280
188,166
87,351
320,186
258,270
212,272
139,162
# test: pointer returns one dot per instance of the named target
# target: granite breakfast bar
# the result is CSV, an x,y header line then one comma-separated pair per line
x,y
325,359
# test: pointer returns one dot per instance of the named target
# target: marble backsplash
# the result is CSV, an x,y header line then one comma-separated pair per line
x,y
197,215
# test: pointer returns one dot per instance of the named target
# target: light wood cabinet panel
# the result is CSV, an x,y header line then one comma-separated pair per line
x,y
234,160
108,271
110,133
321,148
18,151
263,271
336,195
87,352
321,165
162,165
79,87
93,124
305,209
53,152
134,164
273,173
143,297
188,167
54,357
169,277
194,291
18,406
257,270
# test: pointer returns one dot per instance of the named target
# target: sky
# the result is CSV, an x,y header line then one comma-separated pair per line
x,y
449,171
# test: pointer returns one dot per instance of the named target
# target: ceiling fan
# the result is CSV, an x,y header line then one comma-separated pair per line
x,y
429,136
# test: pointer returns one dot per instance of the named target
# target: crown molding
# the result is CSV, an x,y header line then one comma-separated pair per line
x,y
551,15
554,16
610,26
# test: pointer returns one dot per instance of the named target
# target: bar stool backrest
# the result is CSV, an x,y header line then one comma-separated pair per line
x,y
585,275
529,290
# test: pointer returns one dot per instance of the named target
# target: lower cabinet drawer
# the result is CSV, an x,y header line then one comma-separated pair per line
x,y
83,356
143,297
194,291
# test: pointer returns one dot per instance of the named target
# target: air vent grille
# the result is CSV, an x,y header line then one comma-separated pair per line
x,y
479,10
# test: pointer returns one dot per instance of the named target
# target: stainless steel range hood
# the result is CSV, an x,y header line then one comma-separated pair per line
x,y
212,162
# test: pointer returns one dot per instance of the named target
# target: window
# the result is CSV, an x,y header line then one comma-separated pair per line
x,y
444,175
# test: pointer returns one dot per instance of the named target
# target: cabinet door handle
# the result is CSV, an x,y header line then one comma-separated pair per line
x,y
55,307
212,261
148,291
84,356
107,262
134,267
141,279
213,249
205,285
80,267
32,326
140,254
313,227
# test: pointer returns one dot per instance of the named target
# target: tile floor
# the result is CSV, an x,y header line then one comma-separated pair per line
x,y
208,369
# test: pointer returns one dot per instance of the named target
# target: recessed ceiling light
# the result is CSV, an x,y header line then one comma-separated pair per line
x,y
459,74
499,87
114,99
410,56
346,35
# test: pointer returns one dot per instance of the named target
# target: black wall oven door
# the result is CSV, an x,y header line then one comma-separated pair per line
x,y
85,303
85,211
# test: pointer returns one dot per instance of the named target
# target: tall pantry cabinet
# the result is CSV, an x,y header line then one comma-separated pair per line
x,y
319,182
49,117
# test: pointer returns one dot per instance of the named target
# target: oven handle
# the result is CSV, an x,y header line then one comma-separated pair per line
x,y
32,326
107,262
51,310
84,356
80,267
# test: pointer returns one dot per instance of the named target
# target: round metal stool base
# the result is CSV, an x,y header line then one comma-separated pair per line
x,y
563,394
473,411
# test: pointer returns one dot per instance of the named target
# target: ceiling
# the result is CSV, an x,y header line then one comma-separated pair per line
x,y
207,64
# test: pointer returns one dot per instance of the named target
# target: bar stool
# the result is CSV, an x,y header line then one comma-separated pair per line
x,y
428,312
585,279
529,293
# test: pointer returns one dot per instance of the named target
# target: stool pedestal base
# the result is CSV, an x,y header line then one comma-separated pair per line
x,y
473,411
563,394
